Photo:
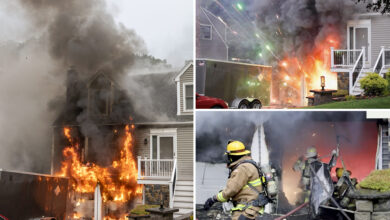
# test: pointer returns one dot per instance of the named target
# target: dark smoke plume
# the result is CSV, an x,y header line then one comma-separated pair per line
x,y
294,27
83,34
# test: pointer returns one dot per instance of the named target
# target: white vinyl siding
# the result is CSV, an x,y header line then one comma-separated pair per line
x,y
185,79
380,28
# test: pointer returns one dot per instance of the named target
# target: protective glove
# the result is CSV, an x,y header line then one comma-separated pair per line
x,y
263,200
210,202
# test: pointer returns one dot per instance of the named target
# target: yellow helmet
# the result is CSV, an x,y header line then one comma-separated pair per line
x,y
236,148
340,172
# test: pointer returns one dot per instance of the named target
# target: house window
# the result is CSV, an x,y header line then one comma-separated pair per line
x,y
205,32
188,96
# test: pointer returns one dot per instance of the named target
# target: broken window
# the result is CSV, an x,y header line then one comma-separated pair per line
x,y
205,32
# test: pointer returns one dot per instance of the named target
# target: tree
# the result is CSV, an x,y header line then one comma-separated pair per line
x,y
382,6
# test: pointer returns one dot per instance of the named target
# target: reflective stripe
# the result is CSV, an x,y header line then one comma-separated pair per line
x,y
261,211
256,182
220,197
240,207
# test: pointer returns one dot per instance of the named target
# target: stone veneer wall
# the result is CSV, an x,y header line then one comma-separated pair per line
x,y
153,194
343,81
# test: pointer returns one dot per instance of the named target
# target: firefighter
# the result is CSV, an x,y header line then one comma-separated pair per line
x,y
303,165
244,186
344,184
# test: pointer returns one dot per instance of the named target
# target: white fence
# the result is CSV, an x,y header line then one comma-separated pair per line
x,y
161,168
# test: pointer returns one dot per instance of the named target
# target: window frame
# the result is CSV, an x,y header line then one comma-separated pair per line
x,y
162,133
185,109
211,32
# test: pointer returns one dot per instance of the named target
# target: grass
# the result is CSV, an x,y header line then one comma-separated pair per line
x,y
377,180
377,102
140,209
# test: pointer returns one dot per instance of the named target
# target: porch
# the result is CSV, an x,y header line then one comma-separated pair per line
x,y
164,172
355,63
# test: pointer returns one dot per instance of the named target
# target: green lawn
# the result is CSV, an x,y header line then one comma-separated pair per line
x,y
378,102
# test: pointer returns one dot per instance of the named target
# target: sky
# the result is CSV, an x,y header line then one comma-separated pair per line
x,y
166,26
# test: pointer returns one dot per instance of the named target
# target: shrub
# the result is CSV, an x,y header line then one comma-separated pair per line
x,y
350,97
373,84
377,180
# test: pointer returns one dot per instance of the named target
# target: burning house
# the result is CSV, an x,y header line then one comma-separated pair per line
x,y
133,157
304,43
280,138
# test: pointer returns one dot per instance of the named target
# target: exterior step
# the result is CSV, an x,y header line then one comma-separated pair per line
x,y
183,205
184,188
184,198
184,193
185,183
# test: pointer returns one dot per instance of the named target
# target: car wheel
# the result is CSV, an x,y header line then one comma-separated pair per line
x,y
256,104
244,104
217,106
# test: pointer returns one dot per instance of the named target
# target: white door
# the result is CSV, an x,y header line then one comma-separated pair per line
x,y
359,35
163,147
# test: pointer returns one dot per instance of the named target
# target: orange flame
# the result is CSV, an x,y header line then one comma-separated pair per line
x,y
118,181
309,69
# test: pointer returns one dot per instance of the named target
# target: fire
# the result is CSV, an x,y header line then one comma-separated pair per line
x,y
304,73
118,182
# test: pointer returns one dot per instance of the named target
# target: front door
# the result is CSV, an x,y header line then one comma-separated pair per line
x,y
359,35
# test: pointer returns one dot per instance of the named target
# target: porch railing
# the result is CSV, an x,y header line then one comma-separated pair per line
x,y
344,58
155,168
383,61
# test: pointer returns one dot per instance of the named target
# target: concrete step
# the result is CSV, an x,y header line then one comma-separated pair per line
x,y
184,188
184,193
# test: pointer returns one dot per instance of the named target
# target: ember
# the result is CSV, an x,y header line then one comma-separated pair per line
x,y
118,181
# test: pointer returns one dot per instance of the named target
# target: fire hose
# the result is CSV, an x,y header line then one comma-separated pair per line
x,y
292,211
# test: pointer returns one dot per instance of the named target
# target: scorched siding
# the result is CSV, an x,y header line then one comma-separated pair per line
x,y
140,148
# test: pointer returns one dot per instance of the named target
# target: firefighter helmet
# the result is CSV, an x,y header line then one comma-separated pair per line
x,y
340,172
311,152
236,148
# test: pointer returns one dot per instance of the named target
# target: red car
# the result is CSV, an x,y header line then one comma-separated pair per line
x,y
209,102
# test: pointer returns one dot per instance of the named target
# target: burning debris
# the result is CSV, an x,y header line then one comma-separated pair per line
x,y
118,182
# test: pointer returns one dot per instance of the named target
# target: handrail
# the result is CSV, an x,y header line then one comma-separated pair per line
x,y
172,184
359,67
380,61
